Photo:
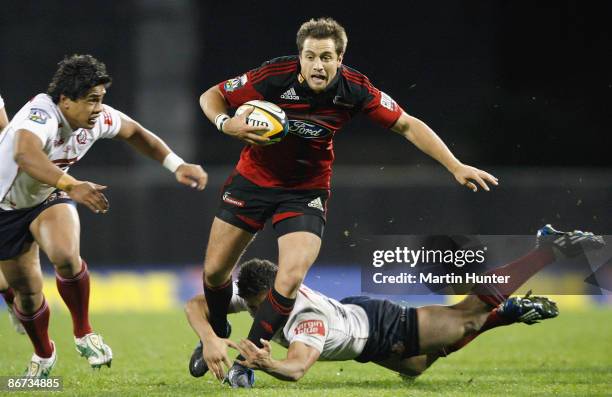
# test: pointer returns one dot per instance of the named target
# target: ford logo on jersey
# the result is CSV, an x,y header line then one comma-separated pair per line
x,y
307,129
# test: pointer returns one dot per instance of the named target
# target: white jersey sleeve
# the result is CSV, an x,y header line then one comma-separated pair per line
x,y
1,102
109,122
308,327
237,304
41,121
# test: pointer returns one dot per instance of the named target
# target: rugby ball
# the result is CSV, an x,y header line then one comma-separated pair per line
x,y
271,118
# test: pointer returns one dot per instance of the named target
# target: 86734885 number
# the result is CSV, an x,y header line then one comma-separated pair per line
x,y
20,383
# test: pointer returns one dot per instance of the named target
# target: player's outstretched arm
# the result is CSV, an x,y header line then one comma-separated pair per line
x,y
430,143
153,147
214,107
215,348
33,161
300,357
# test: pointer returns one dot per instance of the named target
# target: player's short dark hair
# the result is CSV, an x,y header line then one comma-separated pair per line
x,y
76,75
255,276
323,28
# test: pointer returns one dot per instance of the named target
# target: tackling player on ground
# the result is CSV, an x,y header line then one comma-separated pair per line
x,y
38,198
289,182
405,340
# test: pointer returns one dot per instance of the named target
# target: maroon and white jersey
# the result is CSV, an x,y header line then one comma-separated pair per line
x,y
62,145
338,331
303,159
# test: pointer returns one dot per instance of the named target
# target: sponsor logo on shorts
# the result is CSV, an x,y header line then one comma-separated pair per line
x,y
308,129
233,201
38,116
316,203
234,84
56,196
310,327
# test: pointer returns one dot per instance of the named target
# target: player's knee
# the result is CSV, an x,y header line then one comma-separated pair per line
x,y
215,277
472,322
288,283
65,259
28,300
413,369
470,327
411,373
414,366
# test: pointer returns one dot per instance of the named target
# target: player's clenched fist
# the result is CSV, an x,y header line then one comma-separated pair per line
x,y
192,175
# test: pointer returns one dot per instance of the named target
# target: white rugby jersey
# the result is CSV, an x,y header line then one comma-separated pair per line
x,y
62,145
1,102
337,331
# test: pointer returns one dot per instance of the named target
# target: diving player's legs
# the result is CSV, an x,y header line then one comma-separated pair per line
x,y
519,271
441,326
550,245
446,329
25,277
226,245
57,231
411,366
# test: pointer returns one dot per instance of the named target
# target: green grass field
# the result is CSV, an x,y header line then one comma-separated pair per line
x,y
570,355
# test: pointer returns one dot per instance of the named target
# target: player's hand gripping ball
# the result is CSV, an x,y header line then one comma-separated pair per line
x,y
271,118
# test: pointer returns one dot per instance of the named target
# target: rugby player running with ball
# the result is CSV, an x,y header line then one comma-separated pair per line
x,y
288,182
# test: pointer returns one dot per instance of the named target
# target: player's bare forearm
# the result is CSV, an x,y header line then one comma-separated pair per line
x,y
300,357
143,140
287,370
213,103
33,161
423,137
215,348
430,143
197,315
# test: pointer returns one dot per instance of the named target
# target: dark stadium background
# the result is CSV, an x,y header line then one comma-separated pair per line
x,y
521,89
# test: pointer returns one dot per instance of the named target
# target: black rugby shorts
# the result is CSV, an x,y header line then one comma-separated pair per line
x,y
15,225
393,329
248,206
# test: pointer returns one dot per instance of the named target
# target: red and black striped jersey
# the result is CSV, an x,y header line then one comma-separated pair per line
x,y
303,159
